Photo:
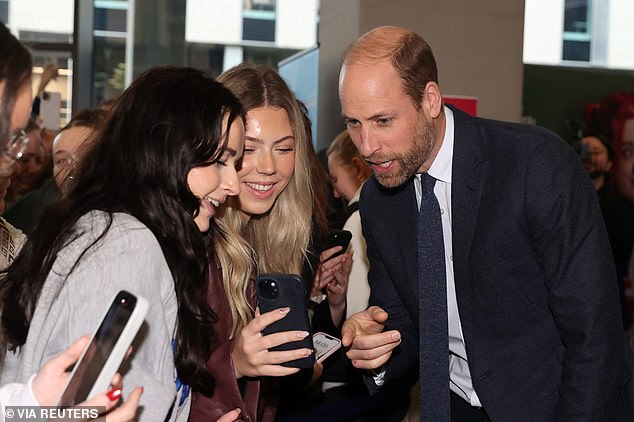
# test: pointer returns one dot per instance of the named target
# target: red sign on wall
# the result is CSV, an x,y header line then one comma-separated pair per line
x,y
466,104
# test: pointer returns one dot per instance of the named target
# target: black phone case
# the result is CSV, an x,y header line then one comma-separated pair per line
x,y
338,238
291,292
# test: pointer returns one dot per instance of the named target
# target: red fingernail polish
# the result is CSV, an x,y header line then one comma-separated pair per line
x,y
114,394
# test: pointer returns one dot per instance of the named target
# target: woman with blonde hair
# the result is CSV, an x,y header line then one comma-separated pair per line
x,y
267,228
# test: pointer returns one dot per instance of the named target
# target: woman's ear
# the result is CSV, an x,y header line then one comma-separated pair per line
x,y
360,168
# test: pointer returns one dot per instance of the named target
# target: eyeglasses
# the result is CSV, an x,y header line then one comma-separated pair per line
x,y
17,145
13,151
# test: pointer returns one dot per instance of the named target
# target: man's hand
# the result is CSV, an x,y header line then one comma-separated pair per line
x,y
368,346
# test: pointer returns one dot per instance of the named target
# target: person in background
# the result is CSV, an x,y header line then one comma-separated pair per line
x,y
348,172
15,103
138,219
266,229
69,146
344,395
35,166
617,118
46,383
72,143
618,212
518,317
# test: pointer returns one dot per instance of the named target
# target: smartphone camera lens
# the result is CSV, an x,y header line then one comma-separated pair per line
x,y
268,288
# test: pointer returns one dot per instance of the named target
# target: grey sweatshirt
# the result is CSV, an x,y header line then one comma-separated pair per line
x,y
129,258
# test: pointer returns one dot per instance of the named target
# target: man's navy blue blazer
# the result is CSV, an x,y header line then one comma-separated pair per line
x,y
535,280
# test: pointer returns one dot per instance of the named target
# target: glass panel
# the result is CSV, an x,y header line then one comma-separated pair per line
x,y
268,5
110,19
109,67
258,29
576,50
577,32
576,16
4,11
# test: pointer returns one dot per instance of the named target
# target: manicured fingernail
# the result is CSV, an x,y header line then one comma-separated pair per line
x,y
114,394
285,310
303,334
308,352
396,336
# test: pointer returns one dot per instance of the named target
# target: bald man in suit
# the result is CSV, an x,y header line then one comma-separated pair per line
x,y
534,329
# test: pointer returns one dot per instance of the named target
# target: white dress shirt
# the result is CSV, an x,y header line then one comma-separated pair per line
x,y
460,377
358,293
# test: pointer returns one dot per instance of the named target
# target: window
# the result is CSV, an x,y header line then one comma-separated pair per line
x,y
579,33
267,5
577,30
4,11
258,20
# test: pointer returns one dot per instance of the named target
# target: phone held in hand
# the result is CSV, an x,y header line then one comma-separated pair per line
x,y
286,290
325,345
338,238
106,350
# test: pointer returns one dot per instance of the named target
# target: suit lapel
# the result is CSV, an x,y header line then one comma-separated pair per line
x,y
400,215
469,172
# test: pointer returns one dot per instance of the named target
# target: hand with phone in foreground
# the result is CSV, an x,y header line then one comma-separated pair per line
x,y
250,354
52,377
369,347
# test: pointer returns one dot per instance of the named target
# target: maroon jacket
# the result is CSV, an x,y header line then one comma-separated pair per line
x,y
257,402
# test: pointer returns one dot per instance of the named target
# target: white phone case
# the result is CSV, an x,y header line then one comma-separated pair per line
x,y
122,335
325,345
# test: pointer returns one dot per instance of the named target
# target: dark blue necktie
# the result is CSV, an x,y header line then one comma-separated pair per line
x,y
432,312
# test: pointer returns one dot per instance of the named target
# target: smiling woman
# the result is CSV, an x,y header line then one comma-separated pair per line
x,y
44,387
138,219
267,228
269,160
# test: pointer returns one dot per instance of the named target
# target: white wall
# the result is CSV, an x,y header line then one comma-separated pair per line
x,y
296,24
621,34
543,29
214,21
42,16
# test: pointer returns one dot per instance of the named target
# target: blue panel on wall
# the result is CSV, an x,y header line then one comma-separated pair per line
x,y
301,73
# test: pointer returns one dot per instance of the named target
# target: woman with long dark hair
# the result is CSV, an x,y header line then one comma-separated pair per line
x,y
137,219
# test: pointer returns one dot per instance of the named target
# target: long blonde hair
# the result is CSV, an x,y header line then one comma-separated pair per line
x,y
276,242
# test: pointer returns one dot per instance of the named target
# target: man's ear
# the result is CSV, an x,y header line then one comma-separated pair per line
x,y
432,100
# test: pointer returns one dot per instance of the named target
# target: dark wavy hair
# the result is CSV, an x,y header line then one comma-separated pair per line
x,y
15,70
167,122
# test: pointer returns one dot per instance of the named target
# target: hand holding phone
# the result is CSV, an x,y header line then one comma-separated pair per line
x,y
102,357
286,290
338,238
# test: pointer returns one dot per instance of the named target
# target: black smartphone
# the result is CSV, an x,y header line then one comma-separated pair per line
x,y
106,350
281,290
338,238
